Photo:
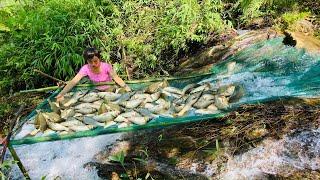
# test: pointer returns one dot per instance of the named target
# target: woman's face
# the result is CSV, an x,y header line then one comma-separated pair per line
x,y
94,62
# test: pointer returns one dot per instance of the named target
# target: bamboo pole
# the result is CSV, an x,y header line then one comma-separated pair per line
x,y
113,83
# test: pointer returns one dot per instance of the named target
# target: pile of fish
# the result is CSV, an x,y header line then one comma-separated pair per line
x,y
83,110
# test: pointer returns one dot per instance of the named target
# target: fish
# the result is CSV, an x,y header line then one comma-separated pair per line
x,y
226,90
109,96
72,123
153,88
105,107
172,90
155,96
40,121
221,102
74,99
188,88
107,116
155,108
85,108
57,126
65,114
130,114
204,101
79,128
90,97
204,87
91,121
206,111
124,97
178,108
52,116
54,106
140,96
230,67
169,95
120,118
190,101
238,93
212,107
132,103
146,113
139,120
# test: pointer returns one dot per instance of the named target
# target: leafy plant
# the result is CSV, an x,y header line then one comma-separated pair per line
x,y
119,157
214,152
5,166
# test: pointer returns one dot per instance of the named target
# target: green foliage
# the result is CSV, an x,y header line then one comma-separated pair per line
x,y
147,36
4,167
51,35
119,157
214,152
292,17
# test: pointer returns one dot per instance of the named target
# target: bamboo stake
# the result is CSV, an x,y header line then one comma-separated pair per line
x,y
47,75
20,165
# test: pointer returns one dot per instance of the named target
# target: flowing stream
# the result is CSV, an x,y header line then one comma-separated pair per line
x,y
267,70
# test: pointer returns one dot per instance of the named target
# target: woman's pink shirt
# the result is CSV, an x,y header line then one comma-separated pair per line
x,y
103,76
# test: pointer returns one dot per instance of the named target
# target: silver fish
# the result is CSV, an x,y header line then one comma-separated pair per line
x,y
74,98
91,121
206,111
79,128
156,87
105,107
190,101
54,106
85,108
187,89
107,116
203,87
221,102
139,120
173,90
90,97
226,90
65,114
204,101
109,96
120,119
56,126
132,103
72,123
146,113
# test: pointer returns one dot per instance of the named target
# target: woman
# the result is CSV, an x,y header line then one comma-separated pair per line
x,y
96,70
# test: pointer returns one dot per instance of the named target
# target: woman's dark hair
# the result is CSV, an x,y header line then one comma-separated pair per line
x,y
89,53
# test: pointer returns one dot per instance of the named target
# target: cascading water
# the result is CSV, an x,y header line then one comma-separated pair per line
x,y
267,70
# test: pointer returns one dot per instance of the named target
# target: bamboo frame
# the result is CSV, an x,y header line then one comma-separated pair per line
x,y
113,83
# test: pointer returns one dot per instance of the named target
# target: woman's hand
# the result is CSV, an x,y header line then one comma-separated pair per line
x,y
59,98
127,88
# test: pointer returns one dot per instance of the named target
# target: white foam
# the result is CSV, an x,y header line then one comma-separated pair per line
x,y
283,157
63,159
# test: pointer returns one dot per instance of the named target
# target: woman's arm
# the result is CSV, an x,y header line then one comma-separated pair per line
x,y
69,86
119,81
